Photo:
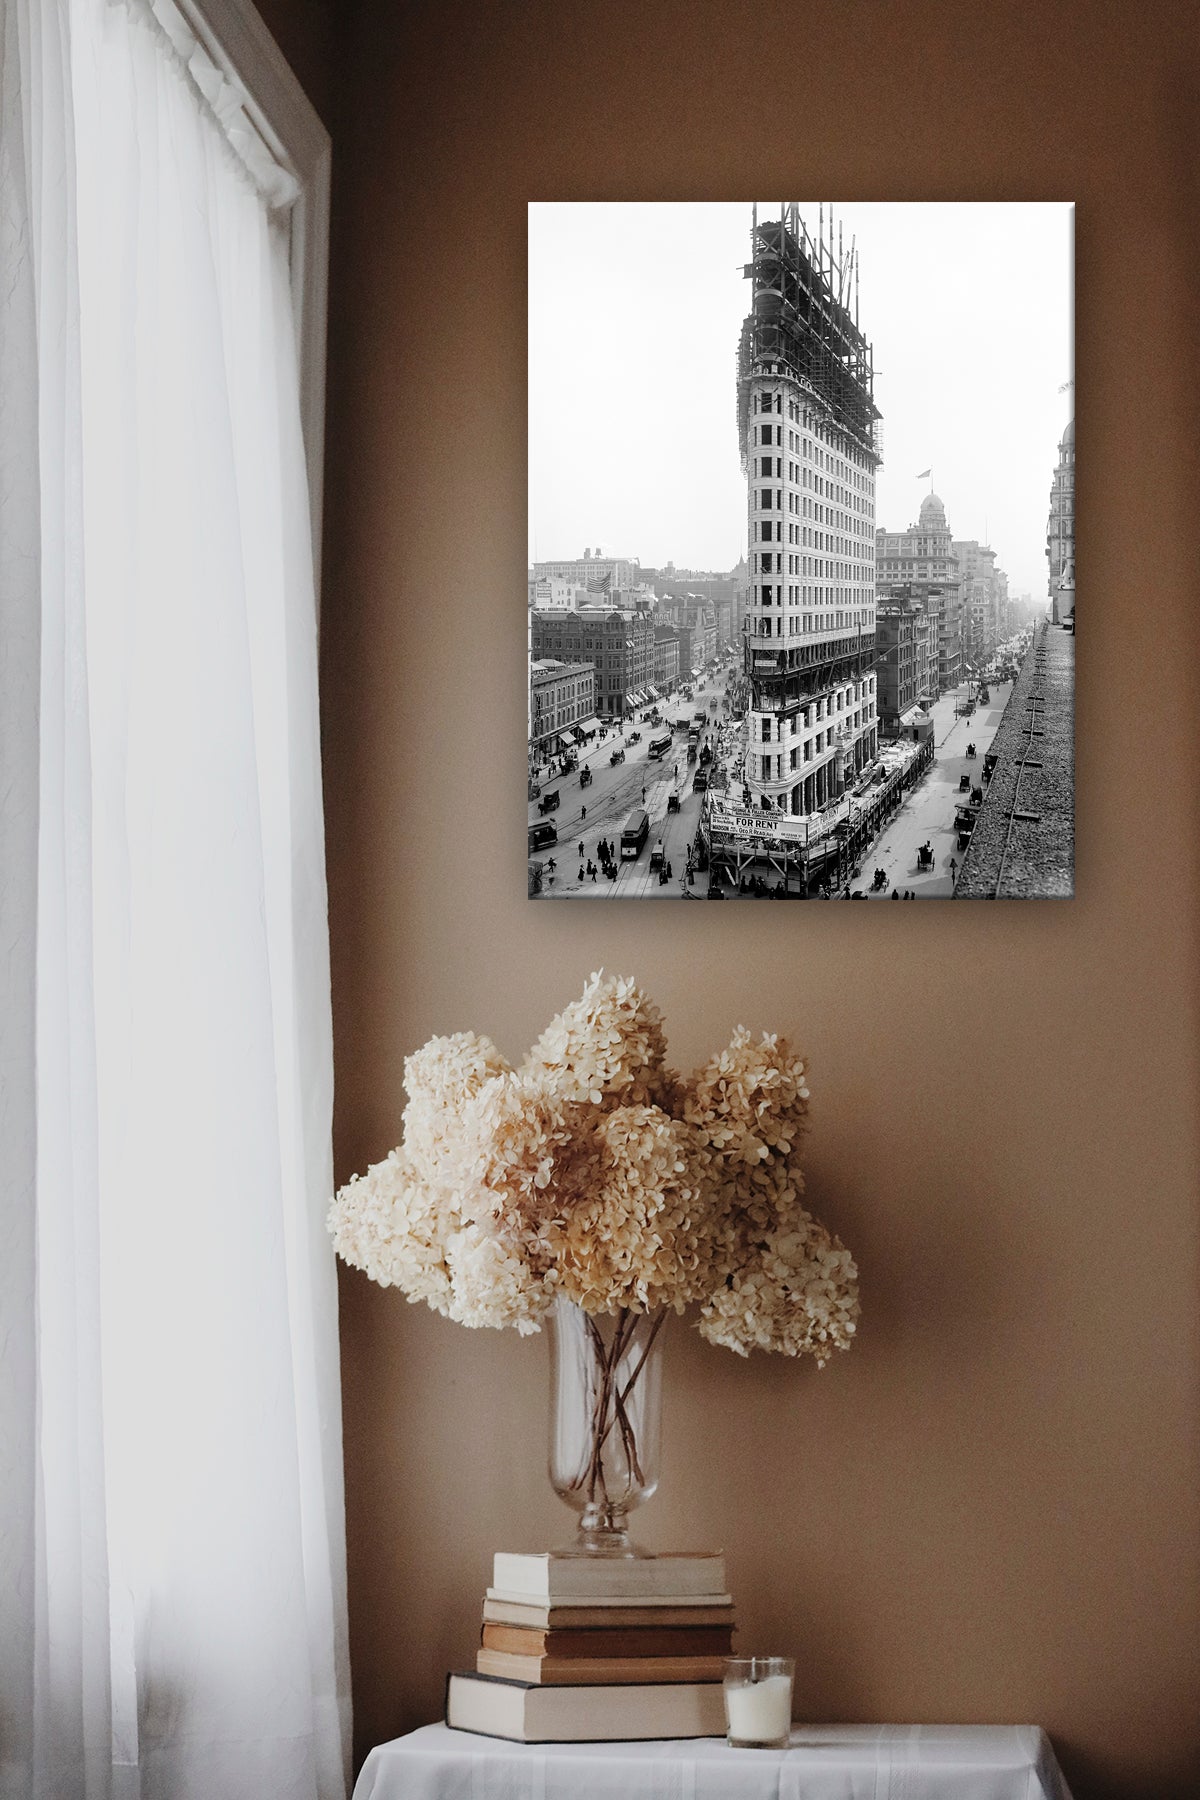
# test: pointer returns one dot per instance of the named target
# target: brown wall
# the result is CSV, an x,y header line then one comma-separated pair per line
x,y
989,1510
304,31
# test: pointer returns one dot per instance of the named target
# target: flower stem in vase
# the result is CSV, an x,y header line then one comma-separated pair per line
x,y
605,1415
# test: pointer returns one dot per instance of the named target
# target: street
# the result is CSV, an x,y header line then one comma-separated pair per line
x,y
927,814
614,792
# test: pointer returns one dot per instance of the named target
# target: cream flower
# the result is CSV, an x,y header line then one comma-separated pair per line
x,y
595,1172
607,1047
440,1079
637,1236
391,1223
750,1100
798,1295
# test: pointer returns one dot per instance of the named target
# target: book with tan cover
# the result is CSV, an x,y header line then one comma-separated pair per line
x,y
636,1640
608,1610
572,1671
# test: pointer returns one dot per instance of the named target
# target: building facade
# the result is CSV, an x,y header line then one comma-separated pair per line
x,y
807,424
695,619
1060,530
594,571
561,695
905,662
721,592
921,561
551,593
666,659
619,645
985,597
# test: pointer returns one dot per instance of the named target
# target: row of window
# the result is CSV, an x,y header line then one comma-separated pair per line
x,y
770,562
766,499
796,624
795,593
775,767
825,706
841,456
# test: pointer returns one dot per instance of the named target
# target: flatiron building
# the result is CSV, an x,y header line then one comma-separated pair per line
x,y
808,430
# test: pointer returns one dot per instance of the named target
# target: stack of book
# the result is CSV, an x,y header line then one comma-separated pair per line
x,y
579,1649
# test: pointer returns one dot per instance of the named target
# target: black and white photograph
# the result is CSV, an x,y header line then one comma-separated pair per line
x,y
801,587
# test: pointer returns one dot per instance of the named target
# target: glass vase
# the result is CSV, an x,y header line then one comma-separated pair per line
x,y
605,1419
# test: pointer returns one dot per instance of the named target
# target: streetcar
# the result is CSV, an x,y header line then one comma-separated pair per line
x,y
634,833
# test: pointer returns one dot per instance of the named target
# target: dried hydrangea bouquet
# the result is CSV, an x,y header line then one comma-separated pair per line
x,y
595,1187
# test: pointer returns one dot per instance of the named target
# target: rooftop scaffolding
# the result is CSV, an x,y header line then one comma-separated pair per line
x,y
801,320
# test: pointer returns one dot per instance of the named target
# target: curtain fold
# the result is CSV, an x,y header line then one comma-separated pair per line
x,y
171,1553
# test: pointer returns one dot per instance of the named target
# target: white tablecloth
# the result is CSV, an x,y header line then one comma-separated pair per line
x,y
823,1762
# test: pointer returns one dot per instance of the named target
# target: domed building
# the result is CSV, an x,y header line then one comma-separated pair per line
x,y
919,566
1060,530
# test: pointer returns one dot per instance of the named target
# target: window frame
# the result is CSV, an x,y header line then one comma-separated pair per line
x,y
237,39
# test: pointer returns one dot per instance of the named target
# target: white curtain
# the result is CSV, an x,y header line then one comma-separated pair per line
x,y
172,1589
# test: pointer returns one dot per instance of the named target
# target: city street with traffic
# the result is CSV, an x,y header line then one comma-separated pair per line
x,y
927,814
616,790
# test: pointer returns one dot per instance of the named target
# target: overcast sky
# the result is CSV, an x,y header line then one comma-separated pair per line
x,y
634,315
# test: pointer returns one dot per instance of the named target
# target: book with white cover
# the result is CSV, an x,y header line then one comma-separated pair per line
x,y
584,1715
546,1576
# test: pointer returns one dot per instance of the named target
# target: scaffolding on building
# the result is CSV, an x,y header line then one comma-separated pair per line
x,y
803,322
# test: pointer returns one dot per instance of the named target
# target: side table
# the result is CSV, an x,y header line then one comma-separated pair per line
x,y
822,1762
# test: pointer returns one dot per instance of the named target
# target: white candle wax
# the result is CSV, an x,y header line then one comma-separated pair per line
x,y
761,1711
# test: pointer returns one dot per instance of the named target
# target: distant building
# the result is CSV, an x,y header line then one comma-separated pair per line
x,y
561,695
694,618
921,561
620,645
905,661
666,659
984,602
594,571
552,593
687,651
1060,530
807,423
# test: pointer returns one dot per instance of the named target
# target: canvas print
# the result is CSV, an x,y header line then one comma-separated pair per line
x,y
801,592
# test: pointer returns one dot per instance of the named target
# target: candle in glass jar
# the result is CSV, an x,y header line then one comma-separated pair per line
x,y
759,1711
